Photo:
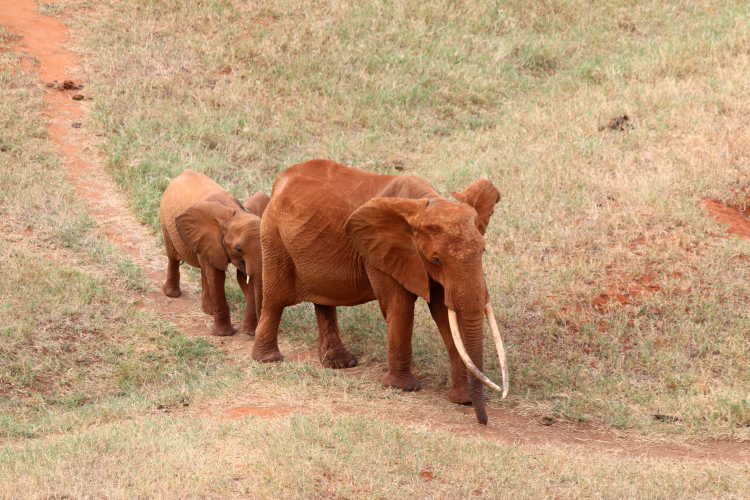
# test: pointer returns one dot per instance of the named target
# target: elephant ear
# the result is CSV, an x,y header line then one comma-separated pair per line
x,y
256,204
381,232
201,226
482,195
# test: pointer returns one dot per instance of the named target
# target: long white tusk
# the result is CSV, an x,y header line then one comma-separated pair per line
x,y
248,279
499,346
464,356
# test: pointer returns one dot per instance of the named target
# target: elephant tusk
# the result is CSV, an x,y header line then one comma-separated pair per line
x,y
464,355
499,346
248,279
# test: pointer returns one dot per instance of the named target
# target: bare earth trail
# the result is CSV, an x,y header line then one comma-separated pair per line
x,y
43,40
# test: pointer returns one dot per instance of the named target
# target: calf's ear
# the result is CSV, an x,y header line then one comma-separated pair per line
x,y
201,228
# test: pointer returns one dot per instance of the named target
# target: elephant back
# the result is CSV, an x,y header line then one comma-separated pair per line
x,y
184,191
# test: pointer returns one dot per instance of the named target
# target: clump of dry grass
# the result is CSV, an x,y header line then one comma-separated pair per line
x,y
513,92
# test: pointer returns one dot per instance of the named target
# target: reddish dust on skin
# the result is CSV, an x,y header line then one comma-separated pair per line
x,y
42,39
737,220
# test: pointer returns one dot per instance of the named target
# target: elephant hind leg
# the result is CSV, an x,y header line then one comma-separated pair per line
x,y
266,345
331,350
171,286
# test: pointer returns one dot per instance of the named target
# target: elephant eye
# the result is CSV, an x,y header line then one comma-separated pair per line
x,y
435,259
238,249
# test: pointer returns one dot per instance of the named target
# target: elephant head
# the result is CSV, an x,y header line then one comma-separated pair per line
x,y
427,241
256,204
219,234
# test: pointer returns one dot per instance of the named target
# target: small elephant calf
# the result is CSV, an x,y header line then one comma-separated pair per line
x,y
208,228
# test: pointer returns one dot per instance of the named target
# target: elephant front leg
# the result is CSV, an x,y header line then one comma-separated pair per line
x,y
222,322
459,392
250,323
171,286
397,306
207,303
331,350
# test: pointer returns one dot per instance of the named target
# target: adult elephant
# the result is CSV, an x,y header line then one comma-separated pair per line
x,y
338,236
205,226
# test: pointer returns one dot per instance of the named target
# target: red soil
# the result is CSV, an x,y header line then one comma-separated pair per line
x,y
627,293
737,220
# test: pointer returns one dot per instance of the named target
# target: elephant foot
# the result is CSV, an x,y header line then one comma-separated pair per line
x,y
459,395
270,356
247,331
248,327
337,358
406,382
171,291
223,330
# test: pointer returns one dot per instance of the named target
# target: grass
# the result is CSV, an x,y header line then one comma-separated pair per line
x,y
74,348
120,404
512,92
333,456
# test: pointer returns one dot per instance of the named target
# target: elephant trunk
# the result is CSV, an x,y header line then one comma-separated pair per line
x,y
471,355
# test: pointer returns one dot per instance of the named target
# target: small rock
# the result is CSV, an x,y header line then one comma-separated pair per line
x,y
427,475
69,85
618,123
50,85
78,97
76,124
4,148
548,420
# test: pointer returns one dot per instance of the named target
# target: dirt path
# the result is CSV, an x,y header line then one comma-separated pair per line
x,y
44,42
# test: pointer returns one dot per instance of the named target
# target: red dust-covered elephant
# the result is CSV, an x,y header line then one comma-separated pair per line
x,y
338,236
207,227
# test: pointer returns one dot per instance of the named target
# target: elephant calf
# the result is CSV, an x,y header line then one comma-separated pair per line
x,y
208,228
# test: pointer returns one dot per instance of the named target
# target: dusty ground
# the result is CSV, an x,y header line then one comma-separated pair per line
x,y
43,40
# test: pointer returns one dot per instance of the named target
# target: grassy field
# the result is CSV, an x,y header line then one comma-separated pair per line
x,y
622,303
590,217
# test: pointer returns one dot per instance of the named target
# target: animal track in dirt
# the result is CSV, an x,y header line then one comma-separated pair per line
x,y
43,39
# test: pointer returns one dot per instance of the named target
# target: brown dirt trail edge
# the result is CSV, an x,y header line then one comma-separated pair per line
x,y
43,40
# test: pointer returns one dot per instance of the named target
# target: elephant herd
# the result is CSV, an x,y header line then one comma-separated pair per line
x,y
338,236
